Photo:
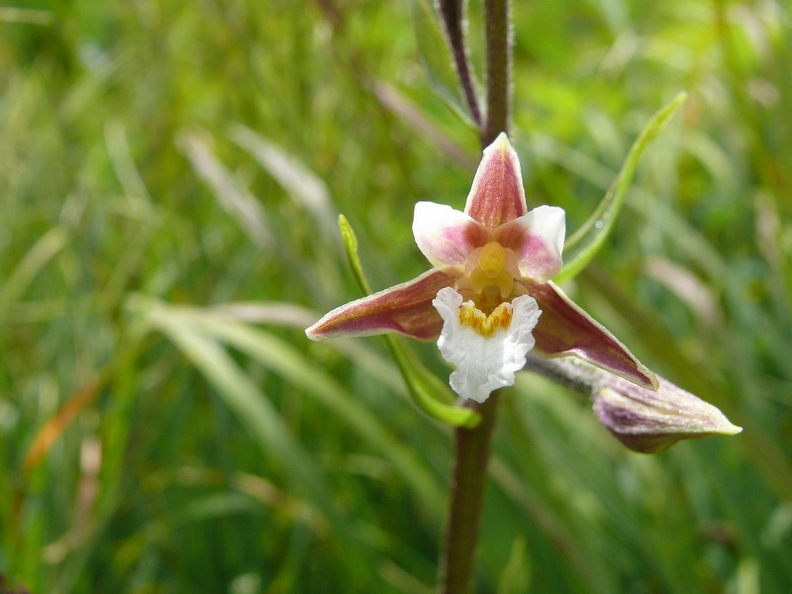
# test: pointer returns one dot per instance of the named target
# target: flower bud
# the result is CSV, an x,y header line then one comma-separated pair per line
x,y
647,421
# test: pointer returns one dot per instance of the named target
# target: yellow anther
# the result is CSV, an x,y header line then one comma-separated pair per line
x,y
471,316
492,258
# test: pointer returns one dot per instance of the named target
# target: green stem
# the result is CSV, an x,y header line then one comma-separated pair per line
x,y
498,68
468,480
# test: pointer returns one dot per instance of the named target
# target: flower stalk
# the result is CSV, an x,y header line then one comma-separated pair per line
x,y
490,302
468,481
498,40
472,446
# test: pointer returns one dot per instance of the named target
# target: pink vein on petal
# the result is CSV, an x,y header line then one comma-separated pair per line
x,y
497,194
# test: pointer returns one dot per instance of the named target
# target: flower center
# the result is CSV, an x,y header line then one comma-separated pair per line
x,y
486,325
492,258
491,270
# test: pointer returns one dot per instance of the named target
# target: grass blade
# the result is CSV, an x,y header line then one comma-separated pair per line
x,y
584,244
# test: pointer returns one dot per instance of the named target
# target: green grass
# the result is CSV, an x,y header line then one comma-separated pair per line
x,y
170,178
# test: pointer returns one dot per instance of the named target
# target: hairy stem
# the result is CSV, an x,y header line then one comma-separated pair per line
x,y
472,446
468,480
498,69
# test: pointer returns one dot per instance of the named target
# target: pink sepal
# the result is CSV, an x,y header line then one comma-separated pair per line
x,y
565,329
406,309
497,194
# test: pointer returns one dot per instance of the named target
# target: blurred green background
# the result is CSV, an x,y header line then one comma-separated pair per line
x,y
170,177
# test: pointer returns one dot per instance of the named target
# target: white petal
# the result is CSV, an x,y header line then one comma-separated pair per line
x,y
484,363
550,223
537,239
446,236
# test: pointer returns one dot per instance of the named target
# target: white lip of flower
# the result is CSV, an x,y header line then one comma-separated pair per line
x,y
487,350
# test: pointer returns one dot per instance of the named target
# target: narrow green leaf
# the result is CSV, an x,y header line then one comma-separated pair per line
x,y
584,244
351,245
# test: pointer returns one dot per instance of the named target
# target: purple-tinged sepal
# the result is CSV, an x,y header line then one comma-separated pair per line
x,y
565,329
649,421
497,195
405,309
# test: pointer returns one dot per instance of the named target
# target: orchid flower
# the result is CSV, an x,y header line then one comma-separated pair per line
x,y
489,298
